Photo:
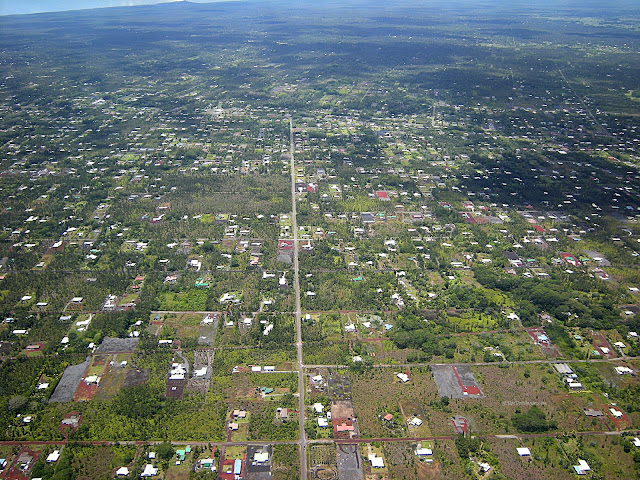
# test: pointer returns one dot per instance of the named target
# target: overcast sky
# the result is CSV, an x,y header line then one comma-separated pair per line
x,y
10,7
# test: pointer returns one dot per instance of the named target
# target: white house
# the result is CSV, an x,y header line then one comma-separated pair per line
x,y
53,456
622,370
149,471
582,468
376,462
415,422
423,452
122,472
261,457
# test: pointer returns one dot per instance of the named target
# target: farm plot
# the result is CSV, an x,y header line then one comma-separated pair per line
x,y
602,345
88,386
322,459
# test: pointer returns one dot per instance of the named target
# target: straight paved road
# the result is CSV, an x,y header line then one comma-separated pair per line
x,y
298,312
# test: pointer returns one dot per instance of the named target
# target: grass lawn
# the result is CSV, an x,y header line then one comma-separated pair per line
x,y
235,452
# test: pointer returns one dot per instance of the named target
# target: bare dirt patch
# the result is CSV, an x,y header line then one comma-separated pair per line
x,y
111,345
341,409
85,392
111,383
136,376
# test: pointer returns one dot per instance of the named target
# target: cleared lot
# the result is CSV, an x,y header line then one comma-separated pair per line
x,y
455,381
69,382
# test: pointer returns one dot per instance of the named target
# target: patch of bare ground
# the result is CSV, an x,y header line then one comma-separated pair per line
x,y
135,376
197,385
110,384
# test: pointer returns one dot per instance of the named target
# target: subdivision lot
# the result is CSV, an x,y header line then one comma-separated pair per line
x,y
255,470
322,460
349,462
23,463
136,376
117,345
455,381
69,382
206,335
540,464
381,392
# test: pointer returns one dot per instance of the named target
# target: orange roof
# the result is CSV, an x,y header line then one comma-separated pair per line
x,y
345,428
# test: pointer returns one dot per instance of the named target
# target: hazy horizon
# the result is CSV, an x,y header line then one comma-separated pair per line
x,y
26,7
